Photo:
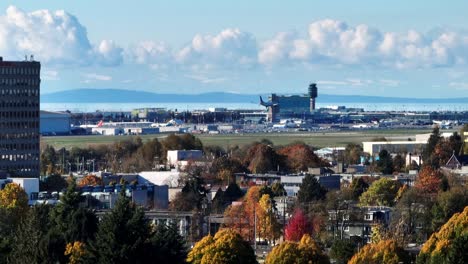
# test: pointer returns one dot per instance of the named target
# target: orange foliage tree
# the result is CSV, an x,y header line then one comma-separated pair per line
x,y
90,180
386,251
300,157
429,180
449,244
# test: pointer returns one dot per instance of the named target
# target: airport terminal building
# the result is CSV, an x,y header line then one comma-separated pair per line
x,y
19,117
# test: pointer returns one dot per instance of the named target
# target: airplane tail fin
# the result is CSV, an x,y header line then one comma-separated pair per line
x,y
100,123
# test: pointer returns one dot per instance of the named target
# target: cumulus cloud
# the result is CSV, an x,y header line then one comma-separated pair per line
x,y
150,52
229,48
55,37
109,53
335,42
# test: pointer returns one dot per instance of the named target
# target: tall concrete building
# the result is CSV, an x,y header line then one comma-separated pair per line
x,y
19,117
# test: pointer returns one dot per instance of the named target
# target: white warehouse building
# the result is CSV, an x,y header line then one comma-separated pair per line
x,y
54,123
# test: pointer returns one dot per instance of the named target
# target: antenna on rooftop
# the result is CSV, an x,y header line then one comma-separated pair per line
x,y
31,58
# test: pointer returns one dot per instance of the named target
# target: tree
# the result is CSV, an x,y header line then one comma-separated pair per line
x,y
300,157
14,199
399,163
385,162
298,226
268,226
168,246
429,180
90,180
428,152
70,223
382,192
342,251
29,239
447,204
310,190
306,251
261,158
386,251
192,195
226,247
76,251
353,153
449,244
54,183
123,235
358,186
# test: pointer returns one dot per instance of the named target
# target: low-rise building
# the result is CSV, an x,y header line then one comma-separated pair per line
x,y
373,148
55,123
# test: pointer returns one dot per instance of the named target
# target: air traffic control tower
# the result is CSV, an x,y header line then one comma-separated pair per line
x,y
313,93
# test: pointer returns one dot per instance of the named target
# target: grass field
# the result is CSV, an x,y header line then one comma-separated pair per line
x,y
317,139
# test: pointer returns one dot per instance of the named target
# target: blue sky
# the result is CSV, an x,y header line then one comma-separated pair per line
x,y
406,48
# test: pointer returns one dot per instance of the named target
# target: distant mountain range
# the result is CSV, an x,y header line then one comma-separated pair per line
x,y
131,96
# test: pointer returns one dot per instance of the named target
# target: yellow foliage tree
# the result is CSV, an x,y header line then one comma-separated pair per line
x,y
91,180
76,252
267,226
13,197
225,247
449,244
385,251
306,251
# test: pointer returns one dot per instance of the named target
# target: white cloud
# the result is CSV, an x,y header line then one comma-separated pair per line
x,y
150,52
332,83
204,79
231,48
109,53
459,85
387,82
54,37
96,77
336,43
50,75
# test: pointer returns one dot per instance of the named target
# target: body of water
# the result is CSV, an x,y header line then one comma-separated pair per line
x,y
125,107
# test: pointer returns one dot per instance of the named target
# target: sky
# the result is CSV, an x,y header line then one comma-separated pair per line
x,y
361,47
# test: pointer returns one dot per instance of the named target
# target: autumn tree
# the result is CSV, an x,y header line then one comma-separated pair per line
x,y
261,158
298,226
305,251
13,198
300,157
429,180
268,226
449,244
386,251
382,192
226,246
90,180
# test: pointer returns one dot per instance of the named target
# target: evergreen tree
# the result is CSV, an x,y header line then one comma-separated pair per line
x,y
167,245
310,190
385,162
123,235
428,157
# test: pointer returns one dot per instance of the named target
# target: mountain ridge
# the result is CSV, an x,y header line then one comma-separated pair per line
x,y
134,96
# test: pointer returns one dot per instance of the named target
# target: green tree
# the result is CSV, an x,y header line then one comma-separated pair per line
x,y
428,152
342,250
385,162
310,190
168,246
358,186
54,183
123,235
225,247
447,204
70,222
382,192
